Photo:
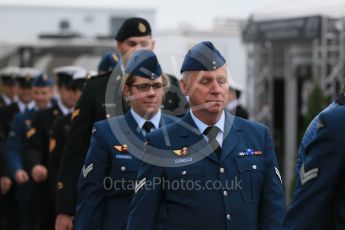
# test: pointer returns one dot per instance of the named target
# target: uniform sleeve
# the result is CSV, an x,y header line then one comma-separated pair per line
x,y
272,207
14,146
76,145
148,195
320,176
91,190
309,135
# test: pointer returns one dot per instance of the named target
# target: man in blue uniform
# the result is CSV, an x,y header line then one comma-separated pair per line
x,y
42,92
135,33
319,197
108,62
211,169
107,181
308,136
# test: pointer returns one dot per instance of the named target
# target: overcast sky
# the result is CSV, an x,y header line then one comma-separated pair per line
x,y
201,13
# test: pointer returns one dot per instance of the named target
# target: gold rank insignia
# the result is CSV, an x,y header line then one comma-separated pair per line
x,y
30,133
181,152
121,148
52,144
27,122
56,112
115,58
59,185
141,27
75,114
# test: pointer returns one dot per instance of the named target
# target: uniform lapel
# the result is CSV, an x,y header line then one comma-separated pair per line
x,y
231,136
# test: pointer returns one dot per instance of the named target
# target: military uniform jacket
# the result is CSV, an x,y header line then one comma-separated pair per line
x,y
107,180
56,145
321,186
248,191
20,124
90,109
6,115
37,150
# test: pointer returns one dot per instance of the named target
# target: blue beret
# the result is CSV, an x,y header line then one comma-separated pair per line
x,y
133,27
42,80
203,56
144,63
108,62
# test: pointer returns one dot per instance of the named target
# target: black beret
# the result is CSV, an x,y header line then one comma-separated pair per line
x,y
133,27
42,80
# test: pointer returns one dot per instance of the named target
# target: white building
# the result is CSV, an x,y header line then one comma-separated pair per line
x,y
289,46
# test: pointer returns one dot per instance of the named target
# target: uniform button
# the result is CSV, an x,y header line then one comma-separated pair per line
x,y
254,167
184,172
60,185
221,170
108,115
123,168
225,193
228,217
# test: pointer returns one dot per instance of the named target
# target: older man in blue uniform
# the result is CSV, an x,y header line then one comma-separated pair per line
x,y
212,170
107,180
321,188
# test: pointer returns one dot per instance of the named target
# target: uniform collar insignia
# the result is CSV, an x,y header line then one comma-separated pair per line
x,y
75,114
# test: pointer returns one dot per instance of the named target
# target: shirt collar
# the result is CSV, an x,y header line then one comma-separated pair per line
x,y
22,106
202,126
50,104
140,120
8,101
63,108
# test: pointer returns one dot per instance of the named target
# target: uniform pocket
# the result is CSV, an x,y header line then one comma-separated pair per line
x,y
123,174
184,185
252,173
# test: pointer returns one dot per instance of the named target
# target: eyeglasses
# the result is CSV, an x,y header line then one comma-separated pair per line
x,y
146,87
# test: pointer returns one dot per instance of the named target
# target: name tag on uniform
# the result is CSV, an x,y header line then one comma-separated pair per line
x,y
183,160
121,156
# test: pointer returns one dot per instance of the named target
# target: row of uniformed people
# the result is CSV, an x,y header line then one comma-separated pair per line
x,y
103,99
16,85
26,141
108,179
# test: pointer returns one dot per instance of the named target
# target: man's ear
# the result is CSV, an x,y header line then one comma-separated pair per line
x,y
126,92
153,44
184,86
